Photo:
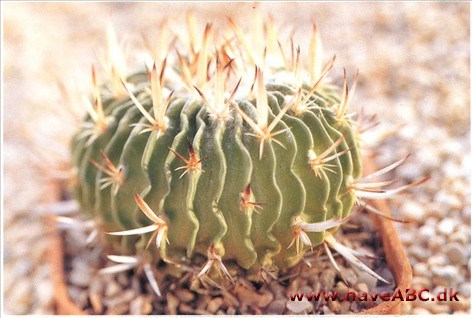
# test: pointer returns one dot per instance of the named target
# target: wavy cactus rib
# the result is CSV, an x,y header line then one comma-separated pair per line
x,y
259,174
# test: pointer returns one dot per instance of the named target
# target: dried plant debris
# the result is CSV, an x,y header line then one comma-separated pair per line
x,y
130,285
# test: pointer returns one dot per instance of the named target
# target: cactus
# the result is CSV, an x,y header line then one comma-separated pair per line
x,y
172,163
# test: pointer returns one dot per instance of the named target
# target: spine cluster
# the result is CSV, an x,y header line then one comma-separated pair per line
x,y
228,146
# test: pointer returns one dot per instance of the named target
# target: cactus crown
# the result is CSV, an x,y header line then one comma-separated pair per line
x,y
229,146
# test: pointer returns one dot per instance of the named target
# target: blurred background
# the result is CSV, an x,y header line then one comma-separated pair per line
x,y
414,74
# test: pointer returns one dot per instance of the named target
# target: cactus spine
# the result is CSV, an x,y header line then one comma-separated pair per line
x,y
176,163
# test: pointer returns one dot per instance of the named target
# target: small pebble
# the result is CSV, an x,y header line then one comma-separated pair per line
x,y
140,306
200,311
120,309
368,280
276,307
96,302
326,310
341,288
112,288
431,221
355,307
327,278
214,305
252,298
440,309
448,272
362,287
23,296
413,211
437,210
420,311
461,235
231,300
420,253
277,290
334,306
231,311
124,297
308,290
123,279
184,295
345,307
456,253
446,226
80,276
436,243
466,213
45,290
437,260
298,307
426,233
172,303
78,295
465,289
419,282
186,309
350,276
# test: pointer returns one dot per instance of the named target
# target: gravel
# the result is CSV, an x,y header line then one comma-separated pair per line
x,y
128,292
413,60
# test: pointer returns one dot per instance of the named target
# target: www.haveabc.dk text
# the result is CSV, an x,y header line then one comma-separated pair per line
x,y
408,295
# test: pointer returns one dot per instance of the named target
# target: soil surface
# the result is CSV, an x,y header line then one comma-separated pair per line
x,y
129,292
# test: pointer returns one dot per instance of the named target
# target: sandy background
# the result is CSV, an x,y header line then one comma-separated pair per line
x,y
414,73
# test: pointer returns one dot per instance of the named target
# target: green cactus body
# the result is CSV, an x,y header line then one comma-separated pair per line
x,y
212,181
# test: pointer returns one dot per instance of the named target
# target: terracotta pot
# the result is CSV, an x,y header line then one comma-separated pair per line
x,y
395,255
62,302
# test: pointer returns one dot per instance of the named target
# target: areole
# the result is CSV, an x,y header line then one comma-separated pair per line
x,y
232,151
394,253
